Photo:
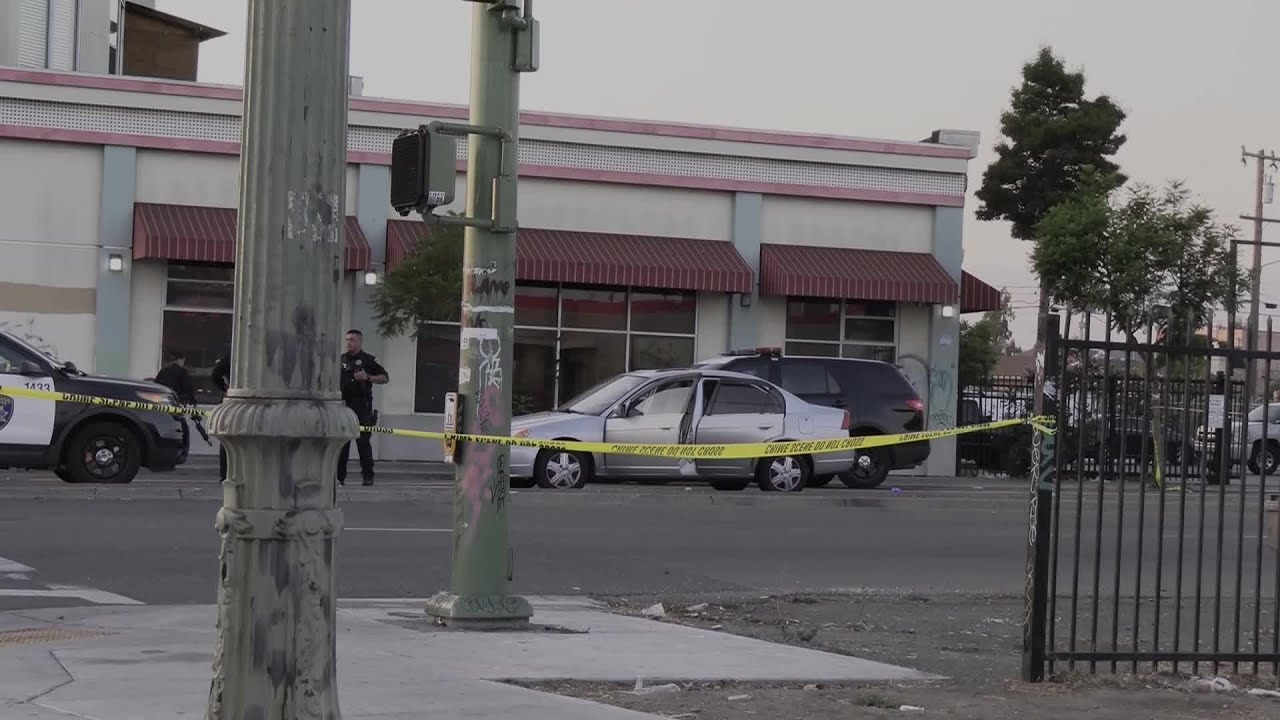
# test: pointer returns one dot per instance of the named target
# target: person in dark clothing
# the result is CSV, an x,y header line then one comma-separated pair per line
x,y
175,377
360,372
221,376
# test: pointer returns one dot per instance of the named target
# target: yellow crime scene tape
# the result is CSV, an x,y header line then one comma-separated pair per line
x,y
735,451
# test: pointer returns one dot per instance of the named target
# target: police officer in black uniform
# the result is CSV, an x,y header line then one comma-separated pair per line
x,y
360,372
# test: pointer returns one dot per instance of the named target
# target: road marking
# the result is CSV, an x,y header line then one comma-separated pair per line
x,y
13,567
418,530
98,597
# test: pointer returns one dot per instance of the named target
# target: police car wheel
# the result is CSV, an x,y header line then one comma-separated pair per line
x,y
103,453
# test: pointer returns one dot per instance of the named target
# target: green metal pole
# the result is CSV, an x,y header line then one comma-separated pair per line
x,y
482,560
283,421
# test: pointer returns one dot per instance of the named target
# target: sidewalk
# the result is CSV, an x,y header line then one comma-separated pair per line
x,y
153,663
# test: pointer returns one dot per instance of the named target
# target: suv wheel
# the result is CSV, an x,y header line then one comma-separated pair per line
x,y
103,452
869,470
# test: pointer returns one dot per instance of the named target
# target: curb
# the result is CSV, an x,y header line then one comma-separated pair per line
x,y
443,494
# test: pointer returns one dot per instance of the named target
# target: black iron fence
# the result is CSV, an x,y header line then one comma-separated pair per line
x,y
1003,452
1119,421
1153,541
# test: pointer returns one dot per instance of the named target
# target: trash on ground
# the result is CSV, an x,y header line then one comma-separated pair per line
x,y
910,708
697,608
739,697
642,689
1209,685
1263,692
654,611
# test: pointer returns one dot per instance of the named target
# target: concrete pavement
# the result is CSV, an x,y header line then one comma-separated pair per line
x,y
153,663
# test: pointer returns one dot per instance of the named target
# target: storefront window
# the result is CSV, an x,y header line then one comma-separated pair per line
x,y
593,309
199,301
533,388
813,320
835,328
667,313
536,306
587,334
587,358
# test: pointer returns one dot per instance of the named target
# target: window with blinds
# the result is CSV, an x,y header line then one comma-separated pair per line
x,y
47,34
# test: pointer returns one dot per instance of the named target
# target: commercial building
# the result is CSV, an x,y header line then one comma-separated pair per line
x,y
641,245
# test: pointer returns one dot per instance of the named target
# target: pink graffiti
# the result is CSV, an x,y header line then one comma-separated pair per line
x,y
475,489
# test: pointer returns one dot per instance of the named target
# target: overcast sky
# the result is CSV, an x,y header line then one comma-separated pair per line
x,y
1198,79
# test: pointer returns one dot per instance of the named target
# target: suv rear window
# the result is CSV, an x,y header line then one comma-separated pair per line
x,y
808,377
887,376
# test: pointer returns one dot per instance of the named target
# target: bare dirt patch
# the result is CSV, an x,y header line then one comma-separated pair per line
x,y
974,641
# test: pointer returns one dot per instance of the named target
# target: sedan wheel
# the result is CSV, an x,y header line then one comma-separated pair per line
x,y
562,470
783,474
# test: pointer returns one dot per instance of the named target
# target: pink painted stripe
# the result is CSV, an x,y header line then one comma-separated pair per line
x,y
88,137
578,122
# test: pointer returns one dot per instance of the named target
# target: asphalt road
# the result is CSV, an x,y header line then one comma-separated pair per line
x,y
146,543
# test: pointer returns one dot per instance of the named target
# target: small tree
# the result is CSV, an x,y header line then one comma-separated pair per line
x,y
979,351
1147,258
426,287
1001,321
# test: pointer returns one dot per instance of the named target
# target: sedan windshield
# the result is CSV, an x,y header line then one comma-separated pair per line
x,y
603,396
1272,410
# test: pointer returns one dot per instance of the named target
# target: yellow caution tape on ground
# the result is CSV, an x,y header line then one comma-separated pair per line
x,y
735,451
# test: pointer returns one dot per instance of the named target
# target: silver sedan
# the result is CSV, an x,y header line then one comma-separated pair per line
x,y
674,407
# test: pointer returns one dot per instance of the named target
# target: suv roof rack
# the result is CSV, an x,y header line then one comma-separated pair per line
x,y
746,352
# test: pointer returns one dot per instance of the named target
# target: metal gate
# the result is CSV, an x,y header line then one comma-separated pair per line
x,y
1152,543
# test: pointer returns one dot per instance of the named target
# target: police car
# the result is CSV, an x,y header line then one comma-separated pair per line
x,y
82,443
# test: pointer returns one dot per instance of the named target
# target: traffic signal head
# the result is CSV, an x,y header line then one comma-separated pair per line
x,y
423,170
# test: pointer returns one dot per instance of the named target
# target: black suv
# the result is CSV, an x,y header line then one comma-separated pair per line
x,y
80,442
879,398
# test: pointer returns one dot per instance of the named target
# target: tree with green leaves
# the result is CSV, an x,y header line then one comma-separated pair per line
x,y
426,287
1051,135
1001,320
979,350
1145,257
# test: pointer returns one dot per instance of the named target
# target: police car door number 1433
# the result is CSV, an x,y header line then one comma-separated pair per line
x,y
26,421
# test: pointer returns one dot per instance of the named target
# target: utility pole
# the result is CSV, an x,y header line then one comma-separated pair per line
x,y
504,43
283,421
1261,158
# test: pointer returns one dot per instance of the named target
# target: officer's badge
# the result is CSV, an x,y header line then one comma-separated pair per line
x,y
6,410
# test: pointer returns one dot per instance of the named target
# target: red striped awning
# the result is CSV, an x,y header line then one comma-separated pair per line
x,y
977,296
608,259
854,274
402,238
207,234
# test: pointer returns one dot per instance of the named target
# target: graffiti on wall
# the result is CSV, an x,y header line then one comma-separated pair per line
x,y
936,386
942,398
25,330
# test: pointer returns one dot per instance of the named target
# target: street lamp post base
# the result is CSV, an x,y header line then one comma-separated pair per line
x,y
480,612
